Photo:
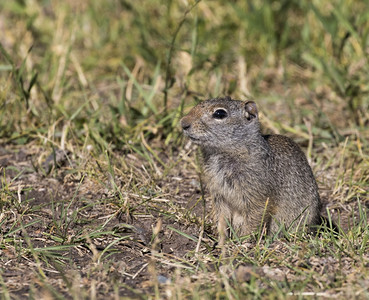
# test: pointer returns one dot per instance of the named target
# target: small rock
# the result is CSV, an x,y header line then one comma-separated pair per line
x,y
244,273
163,280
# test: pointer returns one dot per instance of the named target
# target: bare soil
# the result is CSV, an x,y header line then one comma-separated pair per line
x,y
44,204
66,206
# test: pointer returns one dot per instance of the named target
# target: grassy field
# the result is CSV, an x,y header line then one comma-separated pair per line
x,y
101,196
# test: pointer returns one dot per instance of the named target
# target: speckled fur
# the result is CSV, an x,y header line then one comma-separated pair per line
x,y
252,177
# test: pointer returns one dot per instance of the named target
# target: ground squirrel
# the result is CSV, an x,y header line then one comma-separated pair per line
x,y
254,179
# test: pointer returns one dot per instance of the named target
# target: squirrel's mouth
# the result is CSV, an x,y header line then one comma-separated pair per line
x,y
194,139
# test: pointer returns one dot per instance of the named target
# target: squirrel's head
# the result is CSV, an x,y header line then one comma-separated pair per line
x,y
221,123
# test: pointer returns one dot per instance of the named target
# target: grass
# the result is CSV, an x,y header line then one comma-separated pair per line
x,y
100,194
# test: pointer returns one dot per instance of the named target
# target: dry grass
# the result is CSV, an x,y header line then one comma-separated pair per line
x,y
101,196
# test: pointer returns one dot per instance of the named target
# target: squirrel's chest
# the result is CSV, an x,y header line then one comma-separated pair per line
x,y
232,179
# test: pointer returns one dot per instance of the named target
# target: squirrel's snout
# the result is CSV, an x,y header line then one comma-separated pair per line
x,y
185,124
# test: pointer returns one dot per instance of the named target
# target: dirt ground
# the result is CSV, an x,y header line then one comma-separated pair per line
x,y
98,241
44,205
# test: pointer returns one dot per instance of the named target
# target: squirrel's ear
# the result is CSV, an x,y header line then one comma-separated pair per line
x,y
251,111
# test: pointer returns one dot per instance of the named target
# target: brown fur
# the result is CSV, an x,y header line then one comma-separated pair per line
x,y
254,179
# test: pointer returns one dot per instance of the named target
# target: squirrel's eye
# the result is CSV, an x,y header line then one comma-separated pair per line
x,y
220,114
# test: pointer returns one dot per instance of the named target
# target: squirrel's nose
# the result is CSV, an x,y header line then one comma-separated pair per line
x,y
185,124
